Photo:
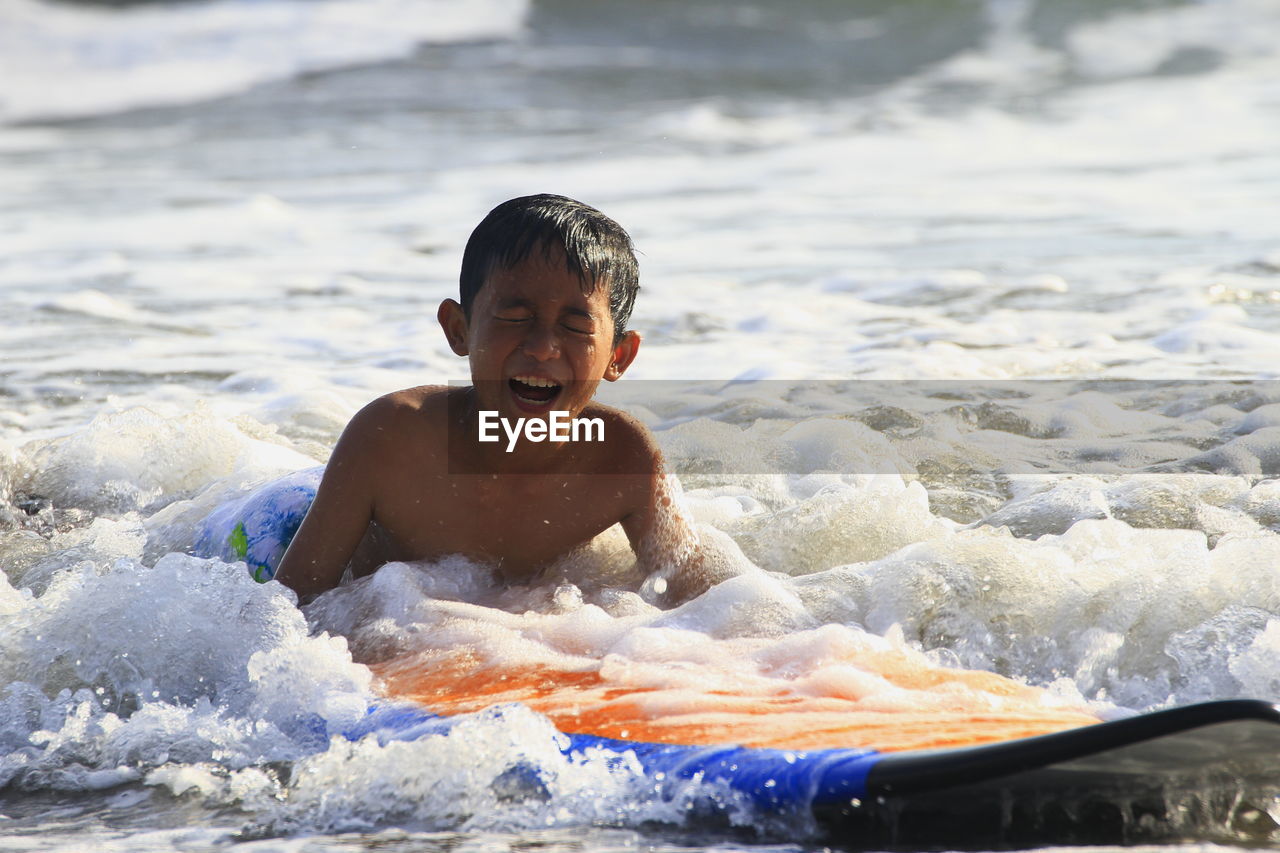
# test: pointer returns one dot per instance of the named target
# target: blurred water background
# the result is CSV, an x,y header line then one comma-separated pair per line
x,y
226,224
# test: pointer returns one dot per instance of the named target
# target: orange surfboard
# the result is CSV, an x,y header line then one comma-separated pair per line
x,y
887,700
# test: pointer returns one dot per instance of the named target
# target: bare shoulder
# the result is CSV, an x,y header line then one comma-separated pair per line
x,y
421,398
388,423
629,447
410,407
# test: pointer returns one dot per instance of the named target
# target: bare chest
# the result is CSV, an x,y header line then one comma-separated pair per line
x,y
521,522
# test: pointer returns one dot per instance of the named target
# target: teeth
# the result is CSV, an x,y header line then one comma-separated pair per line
x,y
537,382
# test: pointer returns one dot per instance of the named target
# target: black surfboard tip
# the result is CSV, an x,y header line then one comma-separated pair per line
x,y
1204,772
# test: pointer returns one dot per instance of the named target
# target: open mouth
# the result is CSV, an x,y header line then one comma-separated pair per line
x,y
533,390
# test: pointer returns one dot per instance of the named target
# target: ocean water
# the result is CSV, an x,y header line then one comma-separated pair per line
x,y
961,317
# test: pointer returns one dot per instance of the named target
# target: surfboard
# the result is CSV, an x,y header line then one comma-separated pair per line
x,y
1207,772
1014,773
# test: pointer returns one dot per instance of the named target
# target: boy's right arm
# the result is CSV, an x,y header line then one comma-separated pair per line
x,y
341,512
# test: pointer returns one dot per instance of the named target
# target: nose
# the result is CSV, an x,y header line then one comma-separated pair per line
x,y
541,343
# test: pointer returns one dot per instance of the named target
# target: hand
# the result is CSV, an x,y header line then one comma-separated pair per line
x,y
716,558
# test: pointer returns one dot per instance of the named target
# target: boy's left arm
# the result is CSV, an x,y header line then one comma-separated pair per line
x,y
681,560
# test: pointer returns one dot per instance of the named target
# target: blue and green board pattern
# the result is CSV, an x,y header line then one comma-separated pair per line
x,y
257,528
1207,772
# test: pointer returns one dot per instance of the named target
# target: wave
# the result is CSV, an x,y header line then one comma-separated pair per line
x,y
65,61
61,61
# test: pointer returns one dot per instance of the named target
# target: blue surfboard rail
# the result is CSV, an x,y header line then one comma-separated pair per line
x,y
1205,772
770,779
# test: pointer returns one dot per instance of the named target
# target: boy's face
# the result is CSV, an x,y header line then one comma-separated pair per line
x,y
536,342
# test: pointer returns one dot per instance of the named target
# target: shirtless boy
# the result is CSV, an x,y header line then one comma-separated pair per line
x,y
547,287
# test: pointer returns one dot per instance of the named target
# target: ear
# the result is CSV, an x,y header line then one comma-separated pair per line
x,y
623,354
454,322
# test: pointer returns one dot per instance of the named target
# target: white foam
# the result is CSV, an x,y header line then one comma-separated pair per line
x,y
136,458
1253,667
501,769
165,679
1133,43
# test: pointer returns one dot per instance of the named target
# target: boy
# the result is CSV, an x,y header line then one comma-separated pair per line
x,y
547,287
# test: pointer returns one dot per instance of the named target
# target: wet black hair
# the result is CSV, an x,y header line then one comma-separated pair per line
x,y
596,249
